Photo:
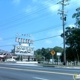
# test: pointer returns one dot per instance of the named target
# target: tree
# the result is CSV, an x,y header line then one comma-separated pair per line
x,y
38,54
46,53
57,49
77,17
70,56
72,36
43,52
13,51
39,57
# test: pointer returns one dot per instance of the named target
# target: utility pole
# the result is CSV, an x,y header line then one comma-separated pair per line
x,y
63,18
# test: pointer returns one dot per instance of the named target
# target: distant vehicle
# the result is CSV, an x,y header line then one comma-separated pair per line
x,y
10,60
55,60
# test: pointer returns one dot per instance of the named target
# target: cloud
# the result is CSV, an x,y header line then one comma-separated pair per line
x,y
48,41
30,9
54,8
9,43
55,40
55,32
16,1
1,39
73,4
51,6
34,0
77,2
72,25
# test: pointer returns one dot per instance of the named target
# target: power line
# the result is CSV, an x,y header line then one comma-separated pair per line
x,y
7,45
10,22
49,28
38,10
29,22
46,38
34,41
8,38
26,16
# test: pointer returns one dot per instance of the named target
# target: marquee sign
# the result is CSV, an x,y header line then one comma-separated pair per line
x,y
24,50
22,40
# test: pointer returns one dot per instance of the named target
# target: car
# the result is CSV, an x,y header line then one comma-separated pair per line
x,y
10,60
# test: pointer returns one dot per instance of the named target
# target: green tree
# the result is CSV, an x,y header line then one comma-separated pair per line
x,y
38,54
72,36
39,57
57,49
43,52
70,56
46,53
77,17
13,51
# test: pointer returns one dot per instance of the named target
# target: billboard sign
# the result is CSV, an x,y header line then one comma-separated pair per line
x,y
22,40
24,50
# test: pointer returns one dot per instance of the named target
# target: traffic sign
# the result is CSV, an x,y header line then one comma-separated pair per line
x,y
52,52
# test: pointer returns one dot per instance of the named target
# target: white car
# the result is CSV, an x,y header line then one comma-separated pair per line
x,y
10,60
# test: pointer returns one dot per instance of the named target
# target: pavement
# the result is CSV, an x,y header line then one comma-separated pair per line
x,y
24,62
61,66
13,72
35,63
69,67
34,71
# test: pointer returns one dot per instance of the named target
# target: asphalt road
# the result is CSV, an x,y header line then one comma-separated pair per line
x,y
27,72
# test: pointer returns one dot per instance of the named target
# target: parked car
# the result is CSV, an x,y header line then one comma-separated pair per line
x,y
10,60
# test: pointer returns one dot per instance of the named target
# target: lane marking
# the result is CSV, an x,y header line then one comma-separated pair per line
x,y
40,78
69,74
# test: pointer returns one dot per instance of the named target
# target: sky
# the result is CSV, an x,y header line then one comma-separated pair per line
x,y
39,18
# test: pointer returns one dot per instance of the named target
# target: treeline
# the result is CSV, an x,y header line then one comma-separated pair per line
x,y
45,53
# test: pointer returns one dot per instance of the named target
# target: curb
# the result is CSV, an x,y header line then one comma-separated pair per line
x,y
66,67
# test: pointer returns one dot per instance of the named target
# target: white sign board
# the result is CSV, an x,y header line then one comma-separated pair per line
x,y
24,50
23,44
58,54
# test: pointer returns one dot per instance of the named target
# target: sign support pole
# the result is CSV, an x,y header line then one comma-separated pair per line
x,y
52,59
52,53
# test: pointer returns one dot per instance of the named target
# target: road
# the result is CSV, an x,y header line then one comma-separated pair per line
x,y
29,72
